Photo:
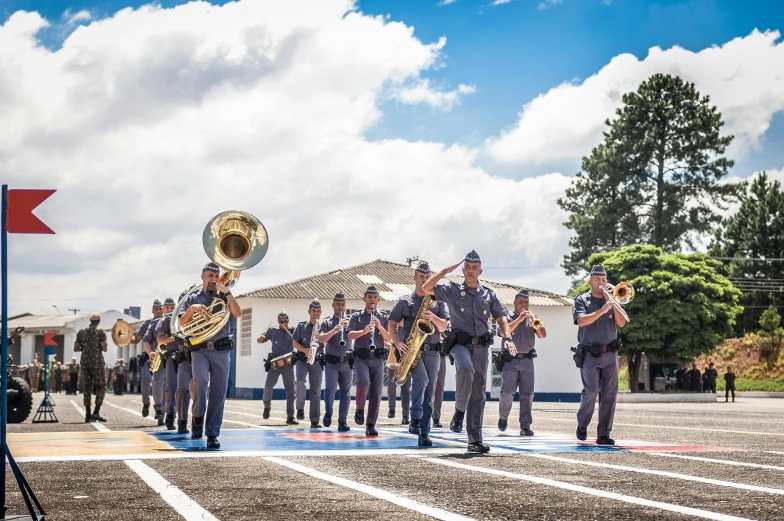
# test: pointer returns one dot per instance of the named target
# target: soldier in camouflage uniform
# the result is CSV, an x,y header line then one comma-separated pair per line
x,y
34,373
91,342
119,376
73,375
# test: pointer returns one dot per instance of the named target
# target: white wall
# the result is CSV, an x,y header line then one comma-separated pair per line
x,y
555,370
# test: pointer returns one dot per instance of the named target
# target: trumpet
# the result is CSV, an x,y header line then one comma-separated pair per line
x,y
622,293
535,322
342,339
373,329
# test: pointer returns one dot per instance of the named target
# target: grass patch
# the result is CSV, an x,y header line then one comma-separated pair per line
x,y
747,384
623,378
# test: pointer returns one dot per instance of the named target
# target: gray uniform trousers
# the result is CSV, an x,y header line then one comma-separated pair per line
x,y
405,393
184,389
171,388
600,377
471,379
423,382
287,372
210,368
159,389
438,399
314,374
370,376
338,375
146,379
517,373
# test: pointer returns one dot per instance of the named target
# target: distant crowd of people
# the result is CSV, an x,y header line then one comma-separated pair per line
x,y
67,377
695,381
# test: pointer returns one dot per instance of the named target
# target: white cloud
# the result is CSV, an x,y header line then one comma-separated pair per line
x,y
548,4
422,93
445,2
500,2
744,78
72,18
153,120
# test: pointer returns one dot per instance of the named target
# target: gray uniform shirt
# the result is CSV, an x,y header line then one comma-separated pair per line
x,y
359,320
150,333
524,336
303,333
406,309
164,325
333,347
202,297
470,309
281,341
603,331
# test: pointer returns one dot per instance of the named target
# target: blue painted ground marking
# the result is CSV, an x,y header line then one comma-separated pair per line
x,y
398,438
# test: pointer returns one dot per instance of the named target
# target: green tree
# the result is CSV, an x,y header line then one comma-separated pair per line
x,y
655,178
684,304
772,334
770,320
755,231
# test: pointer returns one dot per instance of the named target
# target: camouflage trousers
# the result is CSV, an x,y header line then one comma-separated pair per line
x,y
94,383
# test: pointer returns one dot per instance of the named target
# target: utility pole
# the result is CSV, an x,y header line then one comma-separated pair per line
x,y
75,310
412,260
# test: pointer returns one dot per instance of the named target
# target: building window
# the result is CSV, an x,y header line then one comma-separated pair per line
x,y
246,332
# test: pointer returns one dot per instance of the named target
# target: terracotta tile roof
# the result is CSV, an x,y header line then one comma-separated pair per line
x,y
392,280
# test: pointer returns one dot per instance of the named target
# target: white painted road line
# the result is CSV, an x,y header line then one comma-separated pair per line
x,y
696,512
676,427
662,473
137,413
721,461
230,410
98,425
373,491
175,497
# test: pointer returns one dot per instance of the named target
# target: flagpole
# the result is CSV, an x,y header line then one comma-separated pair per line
x,y
4,352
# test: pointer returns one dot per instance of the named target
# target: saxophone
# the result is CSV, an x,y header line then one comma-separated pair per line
x,y
419,332
314,343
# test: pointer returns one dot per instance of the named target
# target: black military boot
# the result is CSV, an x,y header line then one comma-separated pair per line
x,y
197,427
182,427
96,416
370,430
327,420
212,442
405,420
437,424
391,413
424,441
291,421
169,421
415,426
266,412
300,414
457,422
526,432
479,447
159,417
605,440
582,433
343,427
145,410
88,416
359,416
502,425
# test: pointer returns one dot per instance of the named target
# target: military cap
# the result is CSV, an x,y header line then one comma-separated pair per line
x,y
157,303
339,297
522,293
211,266
315,304
169,302
95,316
423,267
598,270
371,290
472,256
283,314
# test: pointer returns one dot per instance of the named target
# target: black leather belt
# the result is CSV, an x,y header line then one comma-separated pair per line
x,y
332,359
597,349
222,344
432,347
530,354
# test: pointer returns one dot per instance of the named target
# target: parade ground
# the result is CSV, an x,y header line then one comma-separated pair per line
x,y
722,461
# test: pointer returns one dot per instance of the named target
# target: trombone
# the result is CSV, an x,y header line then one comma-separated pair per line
x,y
621,293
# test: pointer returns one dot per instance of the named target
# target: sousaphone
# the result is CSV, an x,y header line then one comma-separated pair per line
x,y
235,241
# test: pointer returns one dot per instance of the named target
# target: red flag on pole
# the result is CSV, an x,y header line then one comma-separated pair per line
x,y
49,339
21,204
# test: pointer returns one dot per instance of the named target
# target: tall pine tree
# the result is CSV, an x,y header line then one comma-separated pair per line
x,y
655,178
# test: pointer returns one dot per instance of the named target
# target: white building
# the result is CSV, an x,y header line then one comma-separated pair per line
x,y
557,379
65,328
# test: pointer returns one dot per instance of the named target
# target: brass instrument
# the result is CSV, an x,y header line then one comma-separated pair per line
x,y
156,357
235,241
622,293
421,329
535,322
122,332
314,343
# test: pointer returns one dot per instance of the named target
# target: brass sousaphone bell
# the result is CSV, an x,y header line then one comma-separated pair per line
x,y
235,241
122,332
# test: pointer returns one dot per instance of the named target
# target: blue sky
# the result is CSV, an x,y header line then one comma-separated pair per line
x,y
515,51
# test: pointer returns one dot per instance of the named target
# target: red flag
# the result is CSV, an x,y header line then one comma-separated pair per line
x,y
21,204
49,339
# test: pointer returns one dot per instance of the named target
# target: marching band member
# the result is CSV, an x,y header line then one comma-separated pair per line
x,y
144,365
182,373
471,305
282,339
211,359
338,369
303,335
158,377
423,377
163,336
438,398
368,330
597,356
405,394
518,365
